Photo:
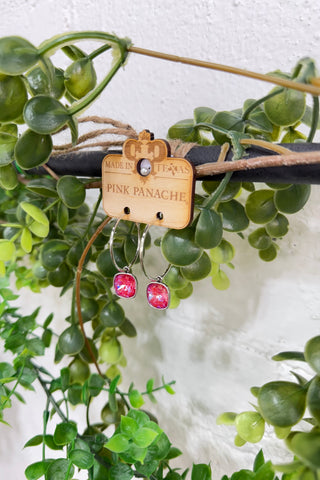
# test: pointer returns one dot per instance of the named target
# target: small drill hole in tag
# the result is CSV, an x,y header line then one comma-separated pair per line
x,y
126,210
159,215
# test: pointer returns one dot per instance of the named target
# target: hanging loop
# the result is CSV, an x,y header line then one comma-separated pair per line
x,y
126,268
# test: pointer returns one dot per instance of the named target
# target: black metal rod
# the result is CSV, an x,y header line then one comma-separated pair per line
x,y
88,164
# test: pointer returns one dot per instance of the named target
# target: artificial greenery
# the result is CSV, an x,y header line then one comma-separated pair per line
x,y
46,226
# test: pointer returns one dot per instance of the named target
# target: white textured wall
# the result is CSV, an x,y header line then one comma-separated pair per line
x,y
217,344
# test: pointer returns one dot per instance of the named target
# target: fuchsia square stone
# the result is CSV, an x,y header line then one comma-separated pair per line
x,y
125,285
158,295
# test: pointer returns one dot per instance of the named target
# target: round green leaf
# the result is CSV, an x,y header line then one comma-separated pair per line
x,y
228,121
144,437
306,446
259,239
71,191
278,227
8,177
44,114
197,270
268,254
35,213
43,186
184,130
36,470
64,433
71,341
185,292
110,351
312,353
233,216
112,314
53,253
7,144
178,247
118,443
260,207
136,399
286,108
221,281
250,426
16,55
80,78
105,264
209,229
223,253
39,82
81,458
174,279
231,190
7,250
26,240
61,276
13,96
32,149
313,398
60,470
292,199
282,404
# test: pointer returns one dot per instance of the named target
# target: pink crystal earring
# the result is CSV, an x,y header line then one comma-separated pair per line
x,y
158,294
125,283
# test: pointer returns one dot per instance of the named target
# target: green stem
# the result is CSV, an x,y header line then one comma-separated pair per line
x,y
14,388
49,396
45,423
51,205
315,119
98,51
256,104
77,107
93,215
87,412
214,197
66,39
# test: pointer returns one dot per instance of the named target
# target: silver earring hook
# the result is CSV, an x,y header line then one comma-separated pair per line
x,y
111,240
158,278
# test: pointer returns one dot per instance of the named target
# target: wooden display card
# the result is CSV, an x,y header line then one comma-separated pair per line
x,y
146,185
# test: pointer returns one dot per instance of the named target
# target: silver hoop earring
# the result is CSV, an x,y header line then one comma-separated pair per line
x,y
125,284
158,293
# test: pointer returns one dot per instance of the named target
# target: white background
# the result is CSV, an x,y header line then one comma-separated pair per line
x,y
216,345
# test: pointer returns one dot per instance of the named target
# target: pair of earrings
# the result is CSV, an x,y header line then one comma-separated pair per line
x,y
125,283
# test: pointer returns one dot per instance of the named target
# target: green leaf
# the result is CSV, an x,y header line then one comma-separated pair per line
x,y
110,351
8,177
140,417
16,55
282,404
118,443
53,253
228,121
13,96
230,191
286,108
313,398
136,398
7,145
80,78
221,281
149,385
173,453
112,314
120,472
7,250
259,122
299,356
184,130
250,426
260,207
201,472
197,270
312,353
178,247
209,229
223,253
144,437
38,229
292,199
34,441
35,212
268,254
95,384
71,191
26,240
50,443
71,341
258,461
306,446
203,114
259,239
233,216
62,216
81,458
226,418
32,149
37,470
64,433
128,426
45,115
60,469
43,186
278,227
114,383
